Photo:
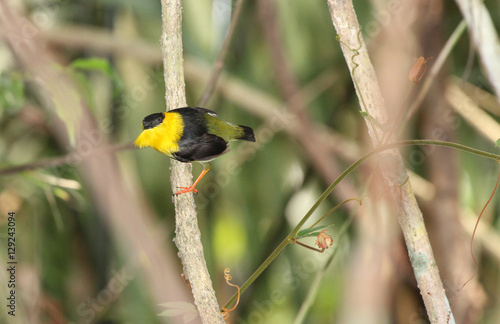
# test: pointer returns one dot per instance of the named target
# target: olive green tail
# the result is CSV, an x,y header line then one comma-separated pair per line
x,y
248,134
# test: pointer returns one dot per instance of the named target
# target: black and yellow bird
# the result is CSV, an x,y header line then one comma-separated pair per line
x,y
191,134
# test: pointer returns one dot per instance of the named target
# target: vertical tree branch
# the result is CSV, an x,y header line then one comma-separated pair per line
x,y
395,175
188,237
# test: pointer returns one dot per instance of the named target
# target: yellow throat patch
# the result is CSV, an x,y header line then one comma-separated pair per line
x,y
165,137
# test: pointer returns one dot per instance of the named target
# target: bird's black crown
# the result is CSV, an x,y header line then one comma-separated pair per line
x,y
152,120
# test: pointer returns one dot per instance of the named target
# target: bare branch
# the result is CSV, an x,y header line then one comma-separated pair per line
x,y
410,217
188,236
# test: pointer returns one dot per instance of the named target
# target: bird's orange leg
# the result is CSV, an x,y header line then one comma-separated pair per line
x,y
206,168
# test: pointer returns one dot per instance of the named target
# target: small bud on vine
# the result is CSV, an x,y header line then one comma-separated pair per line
x,y
324,240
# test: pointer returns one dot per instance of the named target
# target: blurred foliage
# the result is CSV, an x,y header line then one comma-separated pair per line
x,y
11,92
243,212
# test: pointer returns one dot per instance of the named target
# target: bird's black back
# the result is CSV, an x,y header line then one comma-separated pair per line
x,y
196,144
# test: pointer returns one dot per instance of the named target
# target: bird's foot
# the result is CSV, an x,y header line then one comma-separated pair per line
x,y
186,190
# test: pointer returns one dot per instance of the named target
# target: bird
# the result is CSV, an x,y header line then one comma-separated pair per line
x,y
191,134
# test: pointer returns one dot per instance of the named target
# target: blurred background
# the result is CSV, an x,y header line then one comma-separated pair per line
x,y
95,219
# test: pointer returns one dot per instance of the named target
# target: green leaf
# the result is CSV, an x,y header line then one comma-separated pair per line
x,y
308,232
498,143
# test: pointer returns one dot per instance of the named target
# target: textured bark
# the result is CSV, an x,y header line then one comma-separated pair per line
x,y
188,236
391,162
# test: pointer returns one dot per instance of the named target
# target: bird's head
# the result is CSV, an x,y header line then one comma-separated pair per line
x,y
153,120
150,135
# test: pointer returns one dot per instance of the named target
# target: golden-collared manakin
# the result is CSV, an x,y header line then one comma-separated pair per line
x,y
191,134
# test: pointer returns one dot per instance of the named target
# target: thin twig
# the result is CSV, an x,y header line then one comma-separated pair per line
x,y
295,241
219,62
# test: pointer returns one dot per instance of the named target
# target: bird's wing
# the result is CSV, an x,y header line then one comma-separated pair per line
x,y
206,148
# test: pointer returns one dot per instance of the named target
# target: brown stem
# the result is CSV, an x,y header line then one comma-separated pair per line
x,y
307,246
